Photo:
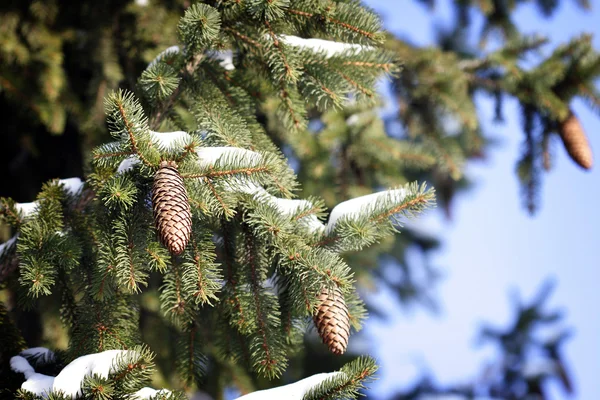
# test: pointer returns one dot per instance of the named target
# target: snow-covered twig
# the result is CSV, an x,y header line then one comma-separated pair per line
x,y
293,391
354,207
70,379
329,47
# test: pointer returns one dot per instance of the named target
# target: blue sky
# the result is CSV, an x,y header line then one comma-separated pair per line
x,y
492,247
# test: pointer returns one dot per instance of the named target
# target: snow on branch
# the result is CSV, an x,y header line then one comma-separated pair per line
x,y
353,208
293,391
147,393
328,47
7,245
72,186
290,207
70,379
209,156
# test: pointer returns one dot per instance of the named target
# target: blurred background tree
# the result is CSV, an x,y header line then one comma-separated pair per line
x,y
58,62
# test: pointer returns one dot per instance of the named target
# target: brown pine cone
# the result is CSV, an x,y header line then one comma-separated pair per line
x,y
172,214
332,320
575,141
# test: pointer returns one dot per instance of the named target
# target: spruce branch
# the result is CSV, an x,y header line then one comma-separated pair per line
x,y
347,383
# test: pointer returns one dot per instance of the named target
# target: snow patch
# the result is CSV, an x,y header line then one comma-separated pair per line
x,y
208,156
41,353
70,379
224,56
20,364
7,245
330,48
146,393
26,209
294,391
167,140
354,207
72,185
127,164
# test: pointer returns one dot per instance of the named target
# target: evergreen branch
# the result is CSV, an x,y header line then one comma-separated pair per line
x,y
367,92
132,139
369,35
186,73
346,384
286,98
228,211
420,200
288,70
243,37
249,243
231,281
387,67
211,173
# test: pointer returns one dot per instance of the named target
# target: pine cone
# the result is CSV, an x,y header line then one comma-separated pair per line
x,y
332,320
575,141
172,214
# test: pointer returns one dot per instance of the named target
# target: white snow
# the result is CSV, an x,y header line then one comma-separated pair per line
x,y
208,156
224,56
168,140
41,352
330,48
36,383
353,207
6,245
289,207
313,223
127,164
70,379
165,140
146,393
294,391
167,52
20,364
72,185
26,209
39,384
352,120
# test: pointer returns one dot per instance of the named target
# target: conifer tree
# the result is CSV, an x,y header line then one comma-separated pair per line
x,y
202,221
238,85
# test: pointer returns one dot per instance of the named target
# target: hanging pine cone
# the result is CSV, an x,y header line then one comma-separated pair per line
x,y
172,214
332,320
575,141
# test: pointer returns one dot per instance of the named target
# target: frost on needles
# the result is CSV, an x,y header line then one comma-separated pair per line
x,y
248,281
